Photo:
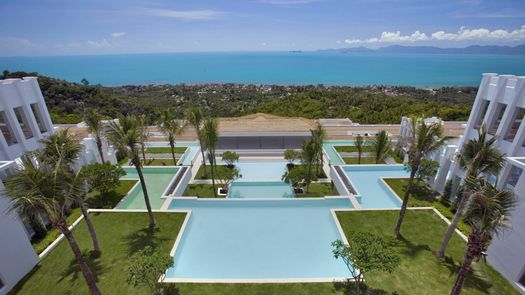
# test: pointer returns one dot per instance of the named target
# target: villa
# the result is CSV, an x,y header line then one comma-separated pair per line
x,y
262,231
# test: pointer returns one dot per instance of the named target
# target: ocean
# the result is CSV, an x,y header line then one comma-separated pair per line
x,y
421,70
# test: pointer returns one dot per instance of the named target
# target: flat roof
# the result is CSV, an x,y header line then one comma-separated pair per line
x,y
263,123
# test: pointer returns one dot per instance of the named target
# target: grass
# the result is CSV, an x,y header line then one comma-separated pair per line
x,y
112,198
318,190
419,271
424,196
165,150
396,158
120,235
200,190
159,162
364,160
353,149
219,168
41,244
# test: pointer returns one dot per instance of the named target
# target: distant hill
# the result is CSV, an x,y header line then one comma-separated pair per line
x,y
473,49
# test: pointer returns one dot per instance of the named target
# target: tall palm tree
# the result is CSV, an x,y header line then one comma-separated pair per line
x,y
143,125
318,136
359,143
94,123
425,139
478,157
211,138
49,189
170,127
127,134
487,213
62,149
381,145
310,150
194,117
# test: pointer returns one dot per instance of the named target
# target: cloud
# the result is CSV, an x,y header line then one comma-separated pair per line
x,y
288,2
15,43
463,34
101,44
118,34
205,14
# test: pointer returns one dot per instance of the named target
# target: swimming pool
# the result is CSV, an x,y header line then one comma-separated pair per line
x,y
261,170
333,155
228,240
372,191
157,181
260,190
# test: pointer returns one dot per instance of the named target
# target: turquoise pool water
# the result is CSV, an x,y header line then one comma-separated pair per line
x,y
256,239
157,181
373,193
260,190
333,156
261,170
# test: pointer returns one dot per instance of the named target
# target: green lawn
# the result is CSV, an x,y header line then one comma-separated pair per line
x,y
40,245
419,271
364,160
353,149
112,198
423,196
165,150
120,235
321,173
318,190
159,162
200,173
200,190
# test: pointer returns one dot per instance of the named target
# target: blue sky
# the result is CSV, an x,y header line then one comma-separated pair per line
x,y
62,27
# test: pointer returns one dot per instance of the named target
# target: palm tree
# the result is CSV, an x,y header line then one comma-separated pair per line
x,y
49,189
127,134
479,157
211,138
309,156
359,143
424,140
94,124
381,146
487,213
143,125
62,149
170,127
194,117
318,136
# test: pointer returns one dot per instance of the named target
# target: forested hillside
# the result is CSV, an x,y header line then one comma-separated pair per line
x,y
374,104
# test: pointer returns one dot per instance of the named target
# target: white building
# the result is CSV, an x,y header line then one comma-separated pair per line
x,y
500,103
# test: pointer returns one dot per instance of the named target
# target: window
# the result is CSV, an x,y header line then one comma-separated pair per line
x,y
500,110
22,120
519,113
481,114
514,176
7,129
38,117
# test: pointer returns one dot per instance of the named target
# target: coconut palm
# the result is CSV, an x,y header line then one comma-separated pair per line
x,y
49,189
210,136
94,124
309,153
143,125
487,214
425,139
62,149
194,117
359,143
381,145
318,136
171,128
126,133
478,157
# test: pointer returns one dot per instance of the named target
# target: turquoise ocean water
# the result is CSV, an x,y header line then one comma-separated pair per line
x,y
272,68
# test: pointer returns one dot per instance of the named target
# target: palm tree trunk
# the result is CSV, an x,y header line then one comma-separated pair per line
x,y
453,225
205,174
86,271
474,250
397,230
308,177
143,151
212,165
91,228
359,157
99,147
172,146
145,192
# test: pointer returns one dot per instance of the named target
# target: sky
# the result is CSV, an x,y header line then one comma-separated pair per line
x,y
72,27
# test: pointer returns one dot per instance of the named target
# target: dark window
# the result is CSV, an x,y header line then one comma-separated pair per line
x,y
481,114
522,279
500,110
22,120
38,117
514,176
1,283
519,113
7,129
